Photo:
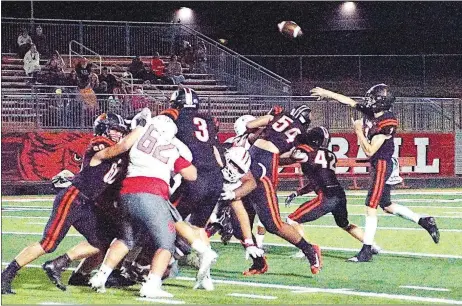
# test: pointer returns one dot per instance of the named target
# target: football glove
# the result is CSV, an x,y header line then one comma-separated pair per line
x,y
290,198
141,118
63,179
228,195
251,250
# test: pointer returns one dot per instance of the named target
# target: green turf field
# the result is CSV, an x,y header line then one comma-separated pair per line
x,y
412,269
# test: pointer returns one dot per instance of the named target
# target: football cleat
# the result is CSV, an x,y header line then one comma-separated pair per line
x,y
207,259
151,290
259,266
429,224
119,279
79,279
205,284
315,259
6,284
365,255
54,274
376,249
98,282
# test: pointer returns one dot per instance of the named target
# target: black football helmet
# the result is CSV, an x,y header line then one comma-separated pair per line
x,y
302,113
379,98
184,98
317,137
110,121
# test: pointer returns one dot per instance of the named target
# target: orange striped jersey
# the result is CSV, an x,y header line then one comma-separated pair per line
x,y
318,165
92,181
387,124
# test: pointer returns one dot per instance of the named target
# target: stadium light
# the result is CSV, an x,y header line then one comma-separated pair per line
x,y
186,15
348,8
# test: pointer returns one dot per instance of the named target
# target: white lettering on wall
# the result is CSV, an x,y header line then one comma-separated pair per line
x,y
360,154
343,147
422,166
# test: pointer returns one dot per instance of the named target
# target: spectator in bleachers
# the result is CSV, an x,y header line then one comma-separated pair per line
x,y
200,55
83,69
187,55
157,68
174,71
136,68
40,41
55,67
94,80
24,43
109,78
32,63
71,79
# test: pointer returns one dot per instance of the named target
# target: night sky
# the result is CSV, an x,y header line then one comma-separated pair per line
x,y
251,27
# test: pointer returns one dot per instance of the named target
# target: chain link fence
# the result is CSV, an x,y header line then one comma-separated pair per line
x,y
73,110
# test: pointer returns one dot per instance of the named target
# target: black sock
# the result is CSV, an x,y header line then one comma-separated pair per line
x,y
11,269
304,246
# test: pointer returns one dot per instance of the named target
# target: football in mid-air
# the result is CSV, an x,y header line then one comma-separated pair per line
x,y
290,29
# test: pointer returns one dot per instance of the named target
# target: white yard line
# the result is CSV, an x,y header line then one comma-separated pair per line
x,y
347,291
425,288
253,296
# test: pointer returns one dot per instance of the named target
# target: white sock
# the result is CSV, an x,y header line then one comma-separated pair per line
x,y
199,246
259,238
155,280
370,229
406,213
105,271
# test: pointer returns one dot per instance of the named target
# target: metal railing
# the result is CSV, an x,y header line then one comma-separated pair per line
x,y
82,47
71,110
146,38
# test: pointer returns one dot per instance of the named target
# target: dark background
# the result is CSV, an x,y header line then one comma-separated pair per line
x,y
251,27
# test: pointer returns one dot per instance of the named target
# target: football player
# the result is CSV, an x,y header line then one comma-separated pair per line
x,y
144,200
75,206
277,138
375,135
318,165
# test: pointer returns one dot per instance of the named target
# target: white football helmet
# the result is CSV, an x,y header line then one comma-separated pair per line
x,y
237,164
165,126
240,124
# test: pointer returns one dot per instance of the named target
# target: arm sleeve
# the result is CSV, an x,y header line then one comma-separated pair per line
x,y
180,164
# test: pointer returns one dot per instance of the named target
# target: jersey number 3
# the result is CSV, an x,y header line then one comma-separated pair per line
x,y
202,133
282,125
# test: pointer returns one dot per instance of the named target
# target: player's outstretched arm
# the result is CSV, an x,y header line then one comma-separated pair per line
x,y
259,122
123,146
327,94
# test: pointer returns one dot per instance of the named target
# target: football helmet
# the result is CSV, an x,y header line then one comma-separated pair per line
x,y
237,164
317,137
379,98
302,113
165,126
109,121
184,97
240,124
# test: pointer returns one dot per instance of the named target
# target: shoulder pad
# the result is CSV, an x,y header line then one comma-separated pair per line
x,y
99,143
172,113
305,148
